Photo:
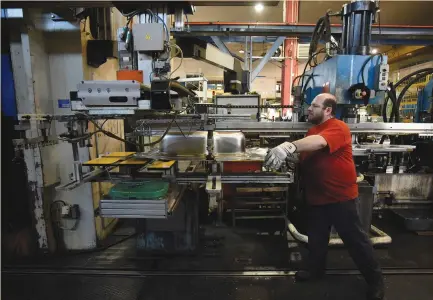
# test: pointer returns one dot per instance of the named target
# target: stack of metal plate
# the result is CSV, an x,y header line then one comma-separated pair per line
x,y
141,200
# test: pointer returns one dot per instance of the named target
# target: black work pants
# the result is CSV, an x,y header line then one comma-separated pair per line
x,y
344,217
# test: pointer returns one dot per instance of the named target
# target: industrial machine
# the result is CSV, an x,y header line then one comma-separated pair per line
x,y
424,108
184,158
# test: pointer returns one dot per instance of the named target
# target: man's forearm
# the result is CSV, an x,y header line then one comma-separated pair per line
x,y
310,143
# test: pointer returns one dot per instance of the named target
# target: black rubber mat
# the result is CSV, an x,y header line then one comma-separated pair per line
x,y
41,287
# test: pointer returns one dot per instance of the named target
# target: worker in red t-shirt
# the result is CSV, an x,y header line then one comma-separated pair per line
x,y
329,178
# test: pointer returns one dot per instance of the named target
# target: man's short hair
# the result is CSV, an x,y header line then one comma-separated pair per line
x,y
330,102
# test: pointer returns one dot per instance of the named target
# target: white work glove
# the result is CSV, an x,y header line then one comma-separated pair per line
x,y
278,155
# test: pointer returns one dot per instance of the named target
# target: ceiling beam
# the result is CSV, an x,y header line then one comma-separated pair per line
x,y
409,55
302,30
267,56
220,44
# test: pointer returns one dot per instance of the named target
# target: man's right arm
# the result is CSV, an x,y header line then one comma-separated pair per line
x,y
310,143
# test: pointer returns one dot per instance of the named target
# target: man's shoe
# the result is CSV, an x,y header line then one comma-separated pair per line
x,y
376,292
303,276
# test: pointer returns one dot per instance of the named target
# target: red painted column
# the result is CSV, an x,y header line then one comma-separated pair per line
x,y
290,66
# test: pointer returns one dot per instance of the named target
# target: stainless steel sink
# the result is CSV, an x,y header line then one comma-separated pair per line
x,y
228,142
227,146
179,145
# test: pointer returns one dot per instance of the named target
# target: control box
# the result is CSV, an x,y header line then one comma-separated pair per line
x,y
148,37
382,74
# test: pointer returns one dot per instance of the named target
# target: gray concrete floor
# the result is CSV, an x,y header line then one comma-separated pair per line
x,y
47,287
224,250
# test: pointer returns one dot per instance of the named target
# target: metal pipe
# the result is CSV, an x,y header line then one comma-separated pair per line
x,y
382,26
274,57
382,239
78,169
251,62
214,116
246,61
105,23
412,201
364,29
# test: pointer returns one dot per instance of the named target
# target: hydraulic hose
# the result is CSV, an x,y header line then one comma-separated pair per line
x,y
409,84
392,94
412,74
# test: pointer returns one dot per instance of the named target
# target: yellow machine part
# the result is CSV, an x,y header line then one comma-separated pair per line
x,y
102,161
134,161
119,154
159,164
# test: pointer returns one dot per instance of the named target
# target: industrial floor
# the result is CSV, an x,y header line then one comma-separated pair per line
x,y
231,264
47,287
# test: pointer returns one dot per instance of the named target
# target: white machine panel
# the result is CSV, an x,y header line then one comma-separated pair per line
x,y
109,93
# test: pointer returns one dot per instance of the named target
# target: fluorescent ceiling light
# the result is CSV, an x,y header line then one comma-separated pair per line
x,y
259,7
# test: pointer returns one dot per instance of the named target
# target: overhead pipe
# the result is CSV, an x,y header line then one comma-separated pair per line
x,y
382,26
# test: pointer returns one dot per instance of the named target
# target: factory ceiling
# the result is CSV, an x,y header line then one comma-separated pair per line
x,y
398,12
403,13
392,12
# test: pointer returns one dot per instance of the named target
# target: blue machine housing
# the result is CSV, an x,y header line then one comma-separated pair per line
x,y
340,73
425,101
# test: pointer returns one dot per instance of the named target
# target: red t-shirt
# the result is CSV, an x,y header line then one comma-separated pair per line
x,y
329,174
